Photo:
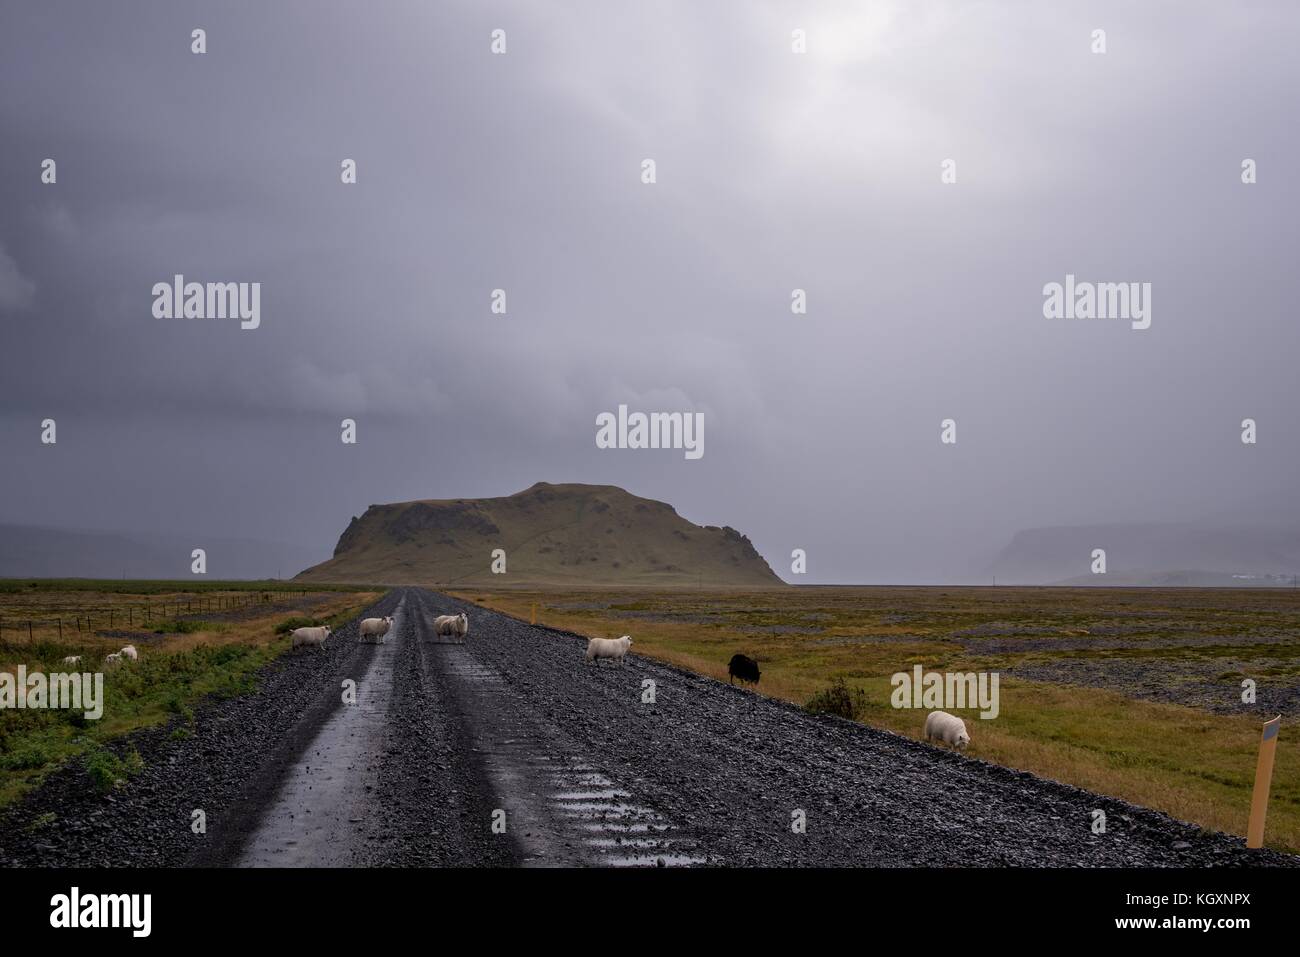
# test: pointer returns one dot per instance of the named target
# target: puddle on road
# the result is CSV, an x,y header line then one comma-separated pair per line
x,y
618,827
608,816
601,808
326,799
591,795
565,810
627,843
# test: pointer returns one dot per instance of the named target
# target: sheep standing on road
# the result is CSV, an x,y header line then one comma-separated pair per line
x,y
375,628
948,728
310,636
455,626
615,648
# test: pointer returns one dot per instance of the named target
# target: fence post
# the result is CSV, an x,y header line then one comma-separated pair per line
x,y
1263,778
29,631
60,630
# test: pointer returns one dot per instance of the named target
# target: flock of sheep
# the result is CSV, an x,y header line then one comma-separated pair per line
x,y
452,626
110,661
376,630
939,725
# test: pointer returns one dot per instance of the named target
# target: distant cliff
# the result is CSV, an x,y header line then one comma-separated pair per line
x,y
1152,554
551,534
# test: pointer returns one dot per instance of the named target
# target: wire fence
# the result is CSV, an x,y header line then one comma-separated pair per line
x,y
84,621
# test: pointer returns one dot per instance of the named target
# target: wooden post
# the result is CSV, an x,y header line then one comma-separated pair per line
x,y
29,631
60,630
1263,778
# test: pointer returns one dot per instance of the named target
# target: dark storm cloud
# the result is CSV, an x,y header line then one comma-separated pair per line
x,y
776,171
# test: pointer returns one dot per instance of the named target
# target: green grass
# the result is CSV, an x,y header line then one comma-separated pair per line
x,y
109,769
840,700
289,624
139,694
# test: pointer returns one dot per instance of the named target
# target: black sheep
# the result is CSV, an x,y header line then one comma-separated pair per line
x,y
744,668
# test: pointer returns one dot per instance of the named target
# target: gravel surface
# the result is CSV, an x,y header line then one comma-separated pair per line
x,y
512,728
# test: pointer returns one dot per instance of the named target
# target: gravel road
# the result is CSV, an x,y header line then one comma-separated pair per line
x,y
508,749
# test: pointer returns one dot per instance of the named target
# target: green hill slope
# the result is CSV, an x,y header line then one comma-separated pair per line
x,y
552,534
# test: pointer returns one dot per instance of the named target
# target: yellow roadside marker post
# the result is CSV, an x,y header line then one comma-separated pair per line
x,y
1263,778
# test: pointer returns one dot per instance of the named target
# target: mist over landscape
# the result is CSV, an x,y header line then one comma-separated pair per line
x,y
775,172
443,437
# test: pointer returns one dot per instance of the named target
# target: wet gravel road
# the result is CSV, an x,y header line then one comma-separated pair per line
x,y
508,749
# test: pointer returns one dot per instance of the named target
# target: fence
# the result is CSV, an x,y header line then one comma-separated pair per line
x,y
82,621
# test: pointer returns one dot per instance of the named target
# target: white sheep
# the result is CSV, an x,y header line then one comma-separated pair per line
x,y
72,660
113,660
615,648
310,636
457,626
948,728
130,652
375,627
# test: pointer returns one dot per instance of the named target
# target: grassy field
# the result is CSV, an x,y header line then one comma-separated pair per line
x,y
1127,731
193,641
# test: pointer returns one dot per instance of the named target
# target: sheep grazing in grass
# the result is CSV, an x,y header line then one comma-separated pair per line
x,y
72,660
948,728
310,636
615,648
375,628
130,652
743,667
455,626
113,660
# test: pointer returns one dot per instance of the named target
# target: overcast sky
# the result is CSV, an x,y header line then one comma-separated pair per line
x,y
775,171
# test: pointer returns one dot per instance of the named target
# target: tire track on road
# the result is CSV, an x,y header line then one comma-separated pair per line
x,y
323,813
561,807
